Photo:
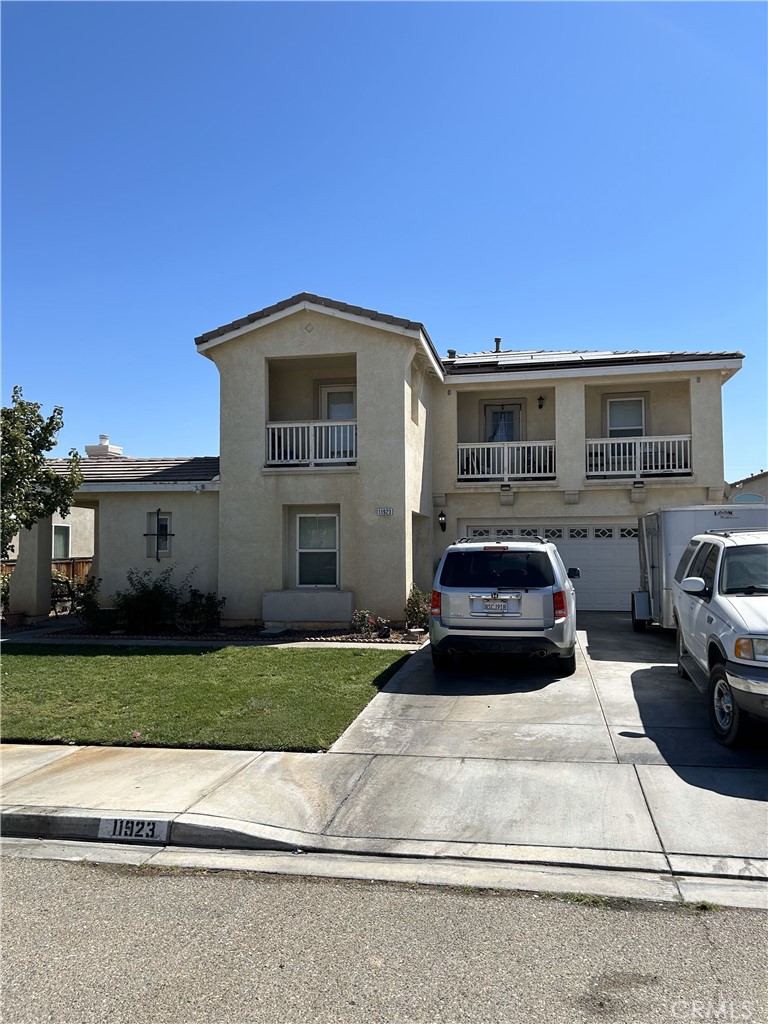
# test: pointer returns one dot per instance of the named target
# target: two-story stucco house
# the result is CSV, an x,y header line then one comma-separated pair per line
x,y
352,453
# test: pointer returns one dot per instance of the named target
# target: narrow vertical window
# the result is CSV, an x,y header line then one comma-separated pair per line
x,y
317,551
158,534
61,542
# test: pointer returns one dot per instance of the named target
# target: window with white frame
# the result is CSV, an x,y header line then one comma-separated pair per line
x,y
317,550
158,534
626,417
61,541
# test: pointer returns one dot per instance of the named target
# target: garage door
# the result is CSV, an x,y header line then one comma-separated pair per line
x,y
606,553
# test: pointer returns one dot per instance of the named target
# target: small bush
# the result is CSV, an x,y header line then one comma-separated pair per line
x,y
151,603
417,609
199,612
85,600
5,584
367,624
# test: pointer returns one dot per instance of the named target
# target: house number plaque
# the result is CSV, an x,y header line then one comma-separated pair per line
x,y
384,511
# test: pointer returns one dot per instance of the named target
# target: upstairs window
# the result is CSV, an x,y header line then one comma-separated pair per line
x,y
626,417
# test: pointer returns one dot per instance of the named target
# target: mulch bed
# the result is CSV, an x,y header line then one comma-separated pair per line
x,y
250,634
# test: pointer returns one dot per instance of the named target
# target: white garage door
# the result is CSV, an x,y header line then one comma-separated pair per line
x,y
606,553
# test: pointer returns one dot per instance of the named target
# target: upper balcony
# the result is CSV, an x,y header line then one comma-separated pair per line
x,y
313,443
638,456
312,405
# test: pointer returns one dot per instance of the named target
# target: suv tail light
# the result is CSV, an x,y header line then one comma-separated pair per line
x,y
435,603
560,604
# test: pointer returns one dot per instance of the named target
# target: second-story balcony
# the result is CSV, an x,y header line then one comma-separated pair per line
x,y
312,443
506,461
639,456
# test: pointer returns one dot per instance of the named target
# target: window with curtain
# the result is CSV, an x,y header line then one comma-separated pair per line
x,y
61,542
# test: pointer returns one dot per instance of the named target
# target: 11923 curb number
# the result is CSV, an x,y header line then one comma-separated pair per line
x,y
135,830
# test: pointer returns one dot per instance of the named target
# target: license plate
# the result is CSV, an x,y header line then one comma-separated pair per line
x,y
499,607
134,830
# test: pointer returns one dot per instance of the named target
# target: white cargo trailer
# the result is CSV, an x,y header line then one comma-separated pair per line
x,y
663,537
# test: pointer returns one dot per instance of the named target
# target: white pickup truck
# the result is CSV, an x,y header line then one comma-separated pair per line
x,y
720,606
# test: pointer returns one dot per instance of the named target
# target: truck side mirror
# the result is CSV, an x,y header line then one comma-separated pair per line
x,y
574,574
694,585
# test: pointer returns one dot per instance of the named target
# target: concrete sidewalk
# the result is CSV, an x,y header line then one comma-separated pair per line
x,y
458,776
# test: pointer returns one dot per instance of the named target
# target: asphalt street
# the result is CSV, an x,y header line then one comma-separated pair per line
x,y
89,943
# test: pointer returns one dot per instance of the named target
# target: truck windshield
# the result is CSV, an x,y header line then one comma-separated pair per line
x,y
745,570
497,569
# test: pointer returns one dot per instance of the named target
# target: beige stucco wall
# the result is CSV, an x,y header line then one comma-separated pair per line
x,y
667,405
122,545
80,523
678,404
374,553
536,424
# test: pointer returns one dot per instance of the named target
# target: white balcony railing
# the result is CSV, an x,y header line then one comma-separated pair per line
x,y
639,456
518,460
311,443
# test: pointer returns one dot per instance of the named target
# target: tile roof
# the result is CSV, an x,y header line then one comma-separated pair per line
x,y
500,362
318,300
121,469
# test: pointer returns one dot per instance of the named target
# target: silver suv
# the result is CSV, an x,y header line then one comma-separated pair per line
x,y
512,597
720,602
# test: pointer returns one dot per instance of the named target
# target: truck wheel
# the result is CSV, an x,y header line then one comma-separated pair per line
x,y
681,669
728,721
637,624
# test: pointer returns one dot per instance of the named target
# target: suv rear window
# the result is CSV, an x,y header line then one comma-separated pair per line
x,y
497,569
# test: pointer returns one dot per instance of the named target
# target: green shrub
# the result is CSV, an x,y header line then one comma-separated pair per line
x,y
85,601
199,612
5,583
151,603
417,609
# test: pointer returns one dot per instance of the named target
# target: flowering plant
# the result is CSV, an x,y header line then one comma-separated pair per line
x,y
367,624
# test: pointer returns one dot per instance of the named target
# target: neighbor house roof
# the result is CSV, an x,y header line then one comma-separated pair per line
x,y
509,361
317,300
122,469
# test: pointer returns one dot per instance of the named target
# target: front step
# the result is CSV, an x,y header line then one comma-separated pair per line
x,y
696,672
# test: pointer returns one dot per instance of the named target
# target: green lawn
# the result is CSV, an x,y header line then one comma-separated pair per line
x,y
236,697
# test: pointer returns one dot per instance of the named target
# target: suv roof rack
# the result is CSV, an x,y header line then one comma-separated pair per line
x,y
501,540
737,529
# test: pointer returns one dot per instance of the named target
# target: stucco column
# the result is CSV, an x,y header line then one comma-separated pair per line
x,y
30,586
707,433
570,431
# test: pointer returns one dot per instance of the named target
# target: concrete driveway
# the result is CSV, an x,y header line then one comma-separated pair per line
x,y
617,757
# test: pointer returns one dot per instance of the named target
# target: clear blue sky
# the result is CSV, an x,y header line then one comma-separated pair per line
x,y
560,175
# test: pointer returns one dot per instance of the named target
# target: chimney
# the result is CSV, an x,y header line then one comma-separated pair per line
x,y
451,353
103,449
498,344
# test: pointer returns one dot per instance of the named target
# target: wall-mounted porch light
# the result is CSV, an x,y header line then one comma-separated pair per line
x,y
540,401
441,520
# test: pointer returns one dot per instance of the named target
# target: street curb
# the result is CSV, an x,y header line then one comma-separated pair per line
x,y
207,832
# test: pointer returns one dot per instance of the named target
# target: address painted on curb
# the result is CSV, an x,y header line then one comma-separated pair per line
x,y
135,830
